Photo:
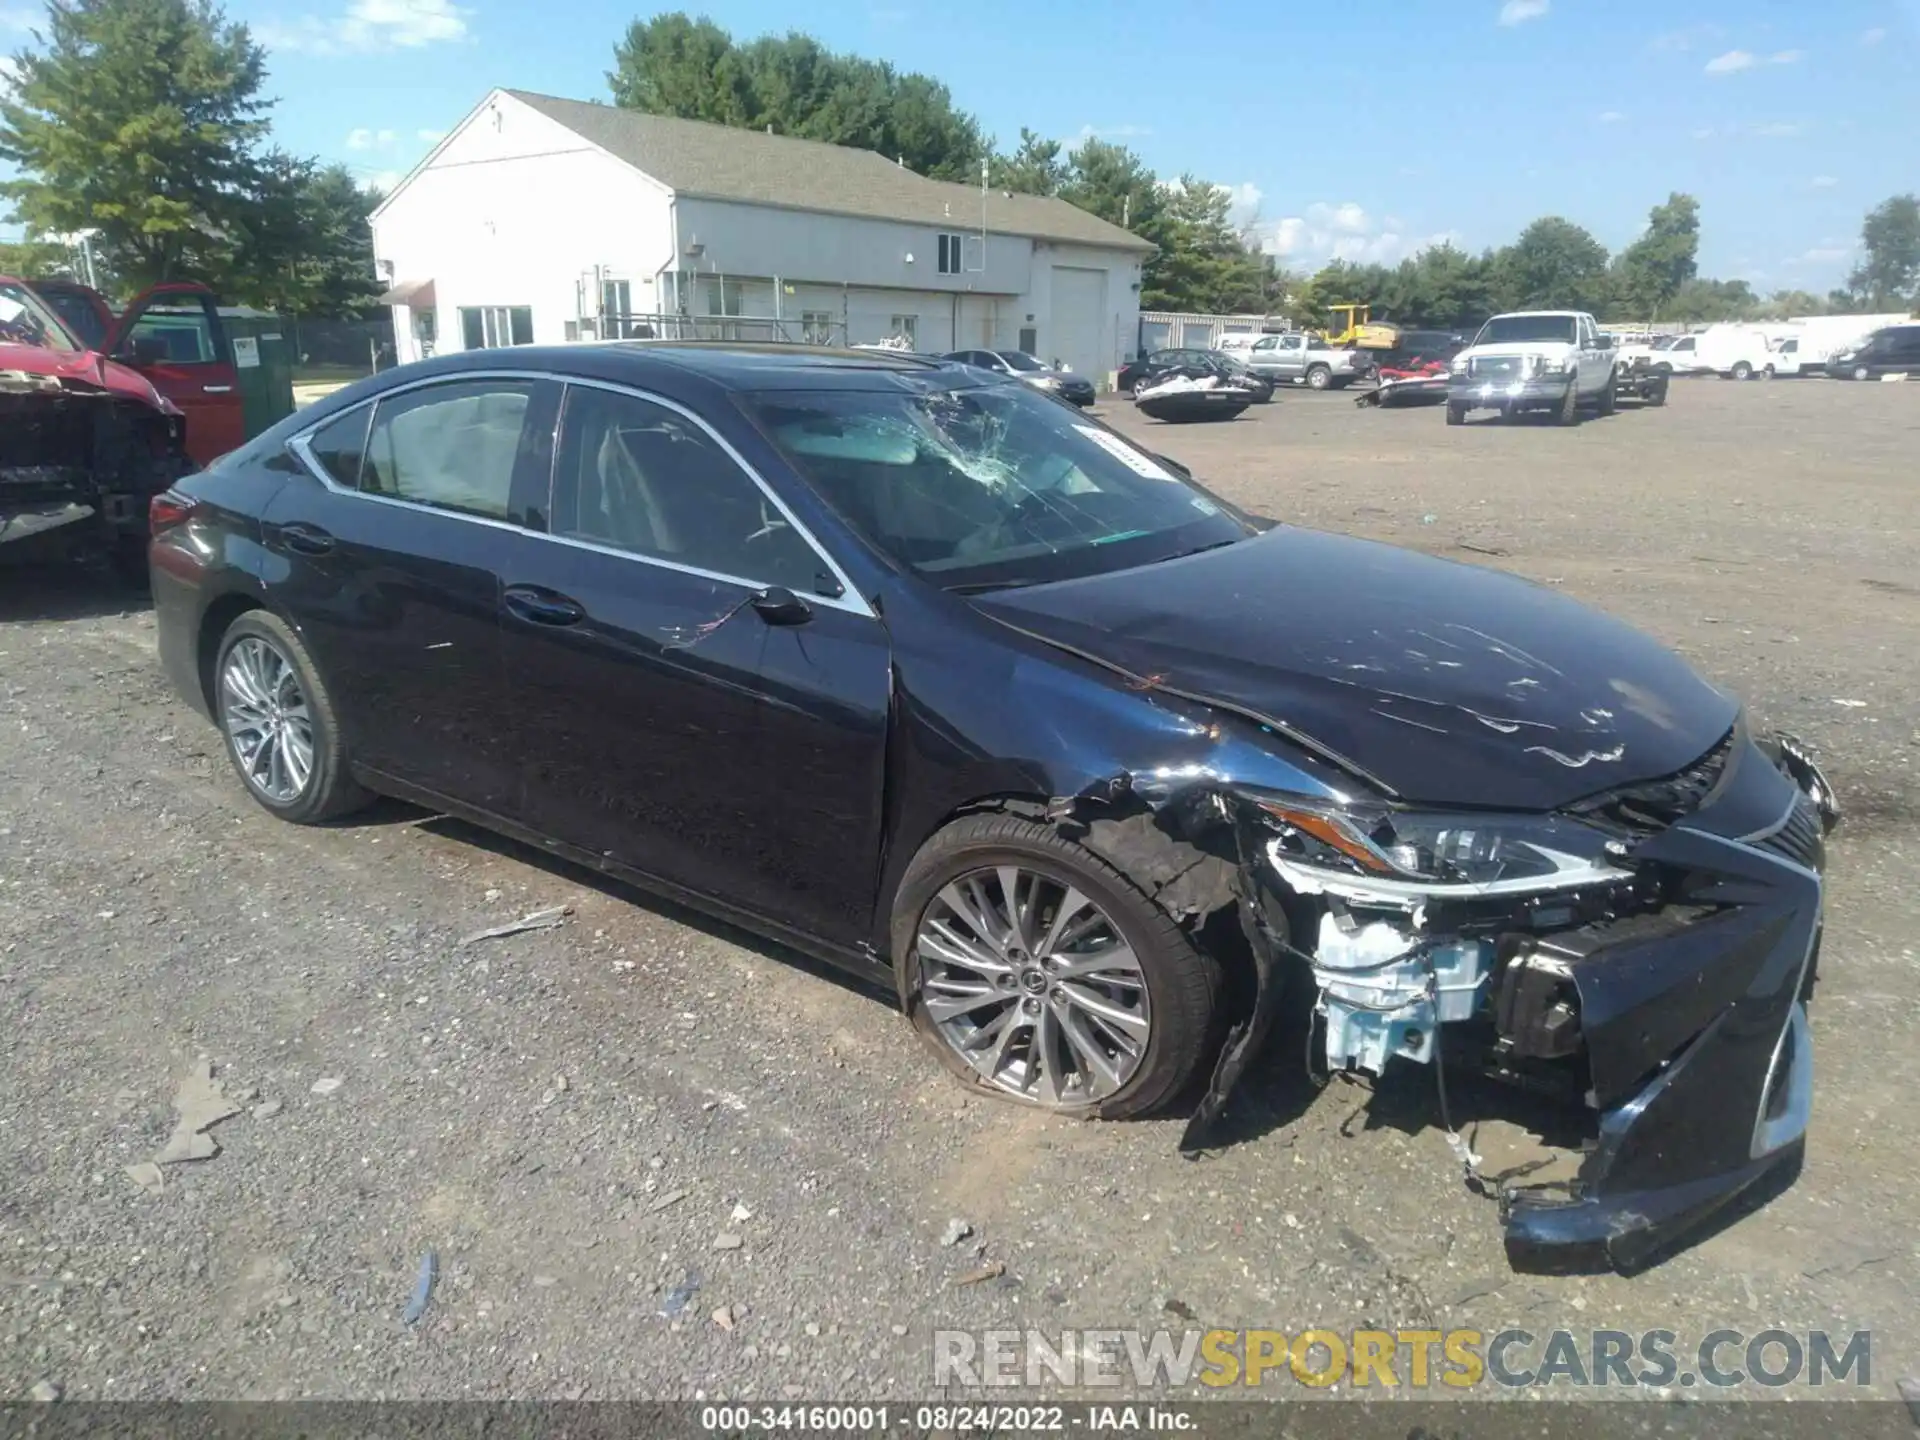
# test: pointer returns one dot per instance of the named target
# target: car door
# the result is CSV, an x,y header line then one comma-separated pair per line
x,y
1590,361
1291,353
390,548
172,334
1902,352
700,696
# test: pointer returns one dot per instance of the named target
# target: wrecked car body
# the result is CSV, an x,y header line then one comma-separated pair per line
x,y
953,686
85,443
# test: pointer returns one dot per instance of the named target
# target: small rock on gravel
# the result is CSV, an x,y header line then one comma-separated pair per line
x,y
956,1231
45,1391
326,1085
726,1240
268,1109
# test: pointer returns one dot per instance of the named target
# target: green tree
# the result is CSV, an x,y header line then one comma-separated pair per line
x,y
1204,265
693,69
1649,272
140,119
1888,275
307,248
1700,299
1554,265
31,259
1034,168
1785,304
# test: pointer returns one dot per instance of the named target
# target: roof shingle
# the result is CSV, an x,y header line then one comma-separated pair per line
x,y
719,162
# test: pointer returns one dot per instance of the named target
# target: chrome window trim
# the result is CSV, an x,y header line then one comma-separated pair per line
x,y
300,446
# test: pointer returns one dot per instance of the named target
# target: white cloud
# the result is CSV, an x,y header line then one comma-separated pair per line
x,y
367,26
1825,254
431,137
1611,117
1518,12
1778,130
363,139
18,21
9,73
1873,36
1113,132
383,180
1786,57
1679,41
1343,232
1824,182
1705,132
1731,61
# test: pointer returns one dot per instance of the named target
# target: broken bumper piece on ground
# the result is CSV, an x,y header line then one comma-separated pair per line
x,y
1659,981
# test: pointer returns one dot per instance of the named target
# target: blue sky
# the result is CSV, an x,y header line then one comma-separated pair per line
x,y
1363,129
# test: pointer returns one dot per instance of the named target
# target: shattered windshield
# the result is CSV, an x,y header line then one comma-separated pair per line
x,y
25,320
992,485
1512,329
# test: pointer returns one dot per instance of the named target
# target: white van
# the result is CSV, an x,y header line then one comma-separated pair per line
x,y
1733,352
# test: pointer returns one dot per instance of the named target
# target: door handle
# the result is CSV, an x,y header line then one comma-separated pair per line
x,y
540,606
305,539
216,389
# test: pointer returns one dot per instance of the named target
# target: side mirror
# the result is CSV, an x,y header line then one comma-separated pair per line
x,y
778,605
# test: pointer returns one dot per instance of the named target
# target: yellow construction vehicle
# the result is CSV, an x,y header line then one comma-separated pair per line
x,y
1361,331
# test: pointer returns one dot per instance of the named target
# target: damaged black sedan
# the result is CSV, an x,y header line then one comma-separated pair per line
x,y
925,673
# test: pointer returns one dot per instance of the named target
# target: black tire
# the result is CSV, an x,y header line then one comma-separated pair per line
x,y
1568,411
1183,983
1610,396
1456,413
1318,377
1657,395
1767,373
1741,370
1860,372
330,790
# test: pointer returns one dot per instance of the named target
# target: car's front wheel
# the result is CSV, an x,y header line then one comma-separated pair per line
x,y
1037,972
278,720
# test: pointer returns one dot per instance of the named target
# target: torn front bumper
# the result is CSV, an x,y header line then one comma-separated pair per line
x,y
1695,1025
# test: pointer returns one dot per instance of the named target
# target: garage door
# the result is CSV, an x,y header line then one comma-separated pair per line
x,y
1079,321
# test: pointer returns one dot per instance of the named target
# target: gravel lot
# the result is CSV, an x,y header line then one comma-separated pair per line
x,y
570,1118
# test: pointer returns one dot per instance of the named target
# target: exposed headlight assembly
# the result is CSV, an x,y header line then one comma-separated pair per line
x,y
1407,854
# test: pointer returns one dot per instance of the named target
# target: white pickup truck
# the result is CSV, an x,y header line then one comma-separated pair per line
x,y
1301,359
1553,360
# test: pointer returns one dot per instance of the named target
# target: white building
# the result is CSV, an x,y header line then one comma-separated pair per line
x,y
538,221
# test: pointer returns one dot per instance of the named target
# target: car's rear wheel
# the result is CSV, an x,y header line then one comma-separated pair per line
x,y
1040,974
1318,377
1860,372
1742,370
279,723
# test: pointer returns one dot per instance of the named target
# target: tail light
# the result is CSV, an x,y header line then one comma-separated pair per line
x,y
169,510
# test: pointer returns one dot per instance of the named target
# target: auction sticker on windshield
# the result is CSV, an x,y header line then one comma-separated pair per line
x,y
1125,453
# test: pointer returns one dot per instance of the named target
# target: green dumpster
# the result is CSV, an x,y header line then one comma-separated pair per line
x,y
263,365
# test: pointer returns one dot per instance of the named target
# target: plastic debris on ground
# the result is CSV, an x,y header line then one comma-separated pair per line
x,y
549,919
677,1299
201,1104
422,1289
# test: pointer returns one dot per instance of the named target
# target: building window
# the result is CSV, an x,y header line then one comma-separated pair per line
x,y
952,255
722,299
816,327
904,327
491,327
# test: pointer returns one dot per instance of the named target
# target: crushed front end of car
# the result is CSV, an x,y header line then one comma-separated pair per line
x,y
80,461
1646,953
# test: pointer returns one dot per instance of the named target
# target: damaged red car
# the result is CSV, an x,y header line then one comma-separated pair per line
x,y
91,430
925,673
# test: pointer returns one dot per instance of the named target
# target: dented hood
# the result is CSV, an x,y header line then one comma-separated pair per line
x,y
1447,683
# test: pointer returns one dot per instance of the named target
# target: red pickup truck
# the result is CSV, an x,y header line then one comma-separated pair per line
x,y
98,413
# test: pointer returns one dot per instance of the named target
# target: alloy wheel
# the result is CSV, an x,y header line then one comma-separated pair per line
x,y
264,712
1033,986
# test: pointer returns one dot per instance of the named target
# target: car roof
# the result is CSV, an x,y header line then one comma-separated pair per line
x,y
727,365
1557,314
